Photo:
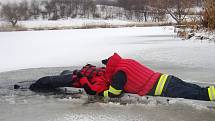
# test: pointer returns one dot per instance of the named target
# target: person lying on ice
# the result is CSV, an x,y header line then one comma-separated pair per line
x,y
128,75
93,74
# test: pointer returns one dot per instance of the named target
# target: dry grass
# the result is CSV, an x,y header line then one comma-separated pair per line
x,y
6,28
209,14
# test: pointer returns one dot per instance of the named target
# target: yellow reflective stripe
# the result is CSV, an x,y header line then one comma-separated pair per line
x,y
106,93
160,85
211,93
114,91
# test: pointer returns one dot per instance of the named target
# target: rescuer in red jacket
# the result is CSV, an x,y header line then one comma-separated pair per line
x,y
128,75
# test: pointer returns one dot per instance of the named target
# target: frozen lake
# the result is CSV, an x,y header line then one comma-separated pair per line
x,y
54,51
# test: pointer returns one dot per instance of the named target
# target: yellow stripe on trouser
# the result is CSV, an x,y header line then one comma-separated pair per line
x,y
211,93
113,91
106,93
160,85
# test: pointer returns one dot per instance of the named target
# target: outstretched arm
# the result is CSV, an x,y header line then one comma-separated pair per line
x,y
117,85
52,82
98,85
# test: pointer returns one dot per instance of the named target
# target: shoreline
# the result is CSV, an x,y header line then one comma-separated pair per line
x,y
75,24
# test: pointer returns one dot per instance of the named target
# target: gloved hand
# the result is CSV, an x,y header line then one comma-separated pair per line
x,y
105,61
79,74
75,72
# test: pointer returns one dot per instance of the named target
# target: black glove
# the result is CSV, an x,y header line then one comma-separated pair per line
x,y
79,74
105,61
75,72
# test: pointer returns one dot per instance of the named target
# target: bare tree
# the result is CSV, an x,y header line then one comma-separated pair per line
x,y
92,8
23,10
51,9
10,13
127,5
70,8
88,7
34,8
54,8
141,7
199,3
157,10
47,8
178,9
138,8
76,6
0,10
62,4
85,8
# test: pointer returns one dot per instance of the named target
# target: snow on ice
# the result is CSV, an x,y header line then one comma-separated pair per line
x,y
156,47
33,49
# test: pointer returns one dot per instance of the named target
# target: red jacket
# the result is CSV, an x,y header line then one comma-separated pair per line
x,y
94,78
140,79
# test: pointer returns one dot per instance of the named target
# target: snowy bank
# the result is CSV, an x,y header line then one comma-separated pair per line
x,y
74,24
204,36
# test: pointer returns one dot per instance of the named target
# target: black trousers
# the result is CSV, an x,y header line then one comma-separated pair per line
x,y
49,83
177,88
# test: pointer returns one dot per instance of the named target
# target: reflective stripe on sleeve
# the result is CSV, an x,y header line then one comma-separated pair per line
x,y
114,91
106,93
211,93
160,85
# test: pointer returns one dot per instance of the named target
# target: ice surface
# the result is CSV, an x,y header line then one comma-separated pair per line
x,y
157,47
28,106
32,49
